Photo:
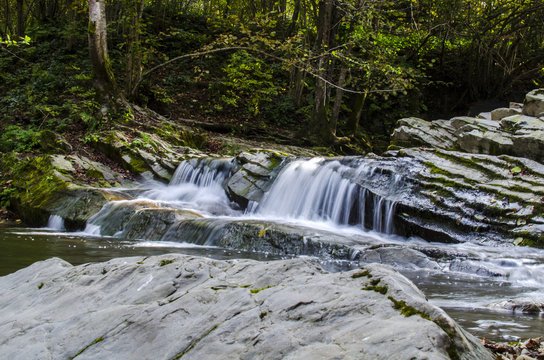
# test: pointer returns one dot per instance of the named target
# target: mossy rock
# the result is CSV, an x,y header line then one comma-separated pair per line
x,y
53,143
142,153
40,190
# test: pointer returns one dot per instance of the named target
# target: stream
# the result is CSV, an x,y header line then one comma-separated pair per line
x,y
319,199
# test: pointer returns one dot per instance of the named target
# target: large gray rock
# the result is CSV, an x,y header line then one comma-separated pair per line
x,y
484,142
176,306
417,132
534,103
506,131
255,172
501,113
60,185
471,194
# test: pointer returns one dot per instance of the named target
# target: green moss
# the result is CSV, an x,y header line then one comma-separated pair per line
x,y
34,186
165,262
262,315
255,291
436,170
407,310
194,343
96,341
361,274
375,287
137,165
221,287
40,285
380,289
470,163
95,174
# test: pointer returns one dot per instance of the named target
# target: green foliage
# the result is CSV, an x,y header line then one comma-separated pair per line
x,y
405,62
248,80
9,41
17,139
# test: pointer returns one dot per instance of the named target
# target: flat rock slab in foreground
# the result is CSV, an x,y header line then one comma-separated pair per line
x,y
178,306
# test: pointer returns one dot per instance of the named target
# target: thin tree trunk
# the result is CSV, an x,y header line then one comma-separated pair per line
x,y
98,49
8,24
20,18
358,111
134,45
294,19
320,122
338,99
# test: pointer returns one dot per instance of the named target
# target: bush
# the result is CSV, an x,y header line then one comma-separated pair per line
x,y
18,139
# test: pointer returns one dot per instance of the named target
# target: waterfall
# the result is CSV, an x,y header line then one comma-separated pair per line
x,y
197,184
203,172
55,222
331,191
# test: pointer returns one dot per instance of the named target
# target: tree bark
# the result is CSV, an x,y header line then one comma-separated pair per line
x,y
294,19
20,18
134,46
319,117
98,49
338,100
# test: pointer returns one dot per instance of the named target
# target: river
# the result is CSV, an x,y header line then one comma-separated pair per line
x,y
471,281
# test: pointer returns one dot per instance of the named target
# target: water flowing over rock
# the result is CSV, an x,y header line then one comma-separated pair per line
x,y
340,191
174,305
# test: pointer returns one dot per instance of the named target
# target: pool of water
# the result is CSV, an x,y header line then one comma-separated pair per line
x,y
465,298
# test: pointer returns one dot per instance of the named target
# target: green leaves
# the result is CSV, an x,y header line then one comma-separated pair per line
x,y
516,170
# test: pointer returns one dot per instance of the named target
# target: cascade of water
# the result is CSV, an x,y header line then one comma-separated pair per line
x,y
330,191
196,184
200,231
55,222
203,172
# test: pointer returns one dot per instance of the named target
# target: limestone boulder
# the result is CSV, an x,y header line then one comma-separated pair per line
x,y
411,132
54,185
500,113
517,130
175,306
253,174
534,103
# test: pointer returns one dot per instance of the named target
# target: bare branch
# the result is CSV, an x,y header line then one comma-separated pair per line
x,y
304,69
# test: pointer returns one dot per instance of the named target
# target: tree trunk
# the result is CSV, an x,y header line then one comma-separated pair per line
x,y
134,46
20,18
294,19
358,107
338,99
320,122
98,49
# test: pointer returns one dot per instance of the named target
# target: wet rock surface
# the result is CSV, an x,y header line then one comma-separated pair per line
x,y
254,173
59,185
175,306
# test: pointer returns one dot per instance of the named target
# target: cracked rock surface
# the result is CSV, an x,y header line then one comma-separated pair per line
x,y
178,306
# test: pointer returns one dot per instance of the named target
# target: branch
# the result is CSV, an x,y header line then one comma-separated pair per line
x,y
200,53
12,53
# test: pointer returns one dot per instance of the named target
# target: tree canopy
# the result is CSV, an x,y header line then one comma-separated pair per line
x,y
333,71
